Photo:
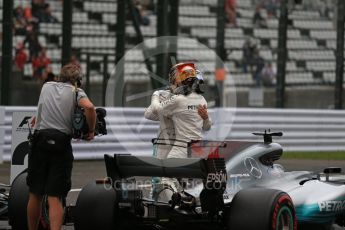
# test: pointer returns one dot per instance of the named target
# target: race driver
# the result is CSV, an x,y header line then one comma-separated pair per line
x,y
183,109
166,134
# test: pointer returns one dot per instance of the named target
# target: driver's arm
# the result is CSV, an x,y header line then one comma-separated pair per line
x,y
150,114
167,107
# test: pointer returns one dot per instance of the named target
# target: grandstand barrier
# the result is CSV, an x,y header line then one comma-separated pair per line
x,y
130,132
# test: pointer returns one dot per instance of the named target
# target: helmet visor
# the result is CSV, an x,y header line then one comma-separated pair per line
x,y
199,75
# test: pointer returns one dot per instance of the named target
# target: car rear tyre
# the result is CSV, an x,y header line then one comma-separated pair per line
x,y
264,209
17,203
96,208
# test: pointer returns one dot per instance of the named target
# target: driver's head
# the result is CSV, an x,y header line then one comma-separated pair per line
x,y
71,73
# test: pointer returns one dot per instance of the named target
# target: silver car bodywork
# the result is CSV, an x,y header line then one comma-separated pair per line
x,y
318,198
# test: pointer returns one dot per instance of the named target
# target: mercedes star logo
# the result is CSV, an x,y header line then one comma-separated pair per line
x,y
253,167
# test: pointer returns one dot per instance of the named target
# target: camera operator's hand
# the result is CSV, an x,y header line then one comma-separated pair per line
x,y
90,114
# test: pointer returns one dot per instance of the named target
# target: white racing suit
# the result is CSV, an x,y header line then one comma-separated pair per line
x,y
188,123
169,120
166,133
188,126
164,100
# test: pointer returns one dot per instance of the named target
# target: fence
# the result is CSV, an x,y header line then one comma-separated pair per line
x,y
311,41
129,132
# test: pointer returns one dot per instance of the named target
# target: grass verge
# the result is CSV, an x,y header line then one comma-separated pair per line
x,y
315,155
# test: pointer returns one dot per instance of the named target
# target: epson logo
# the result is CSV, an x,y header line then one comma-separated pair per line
x,y
216,177
331,206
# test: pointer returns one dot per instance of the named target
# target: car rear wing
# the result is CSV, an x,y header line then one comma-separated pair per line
x,y
125,166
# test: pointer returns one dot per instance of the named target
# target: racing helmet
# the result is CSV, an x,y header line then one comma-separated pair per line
x,y
186,73
190,82
182,71
173,72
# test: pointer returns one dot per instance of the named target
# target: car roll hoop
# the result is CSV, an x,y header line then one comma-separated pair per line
x,y
268,135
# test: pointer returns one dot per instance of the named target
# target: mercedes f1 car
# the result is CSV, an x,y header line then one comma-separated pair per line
x,y
228,185
4,189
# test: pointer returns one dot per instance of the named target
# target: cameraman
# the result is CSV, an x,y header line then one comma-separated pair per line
x,y
51,156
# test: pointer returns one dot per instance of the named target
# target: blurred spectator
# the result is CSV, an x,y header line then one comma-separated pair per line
x,y
20,22
141,13
32,26
324,7
248,50
74,59
21,57
230,10
47,15
34,45
258,20
259,64
271,7
38,9
28,13
269,74
51,77
147,5
40,63
48,75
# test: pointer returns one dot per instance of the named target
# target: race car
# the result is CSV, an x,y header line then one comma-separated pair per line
x,y
4,189
232,185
